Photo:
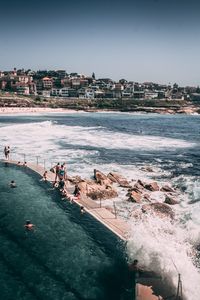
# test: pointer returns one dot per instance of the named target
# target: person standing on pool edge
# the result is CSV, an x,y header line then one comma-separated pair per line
x,y
7,152
57,168
61,173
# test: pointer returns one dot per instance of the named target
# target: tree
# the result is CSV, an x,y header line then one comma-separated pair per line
x,y
122,81
93,75
198,90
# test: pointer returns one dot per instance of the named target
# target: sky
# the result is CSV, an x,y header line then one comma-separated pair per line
x,y
139,40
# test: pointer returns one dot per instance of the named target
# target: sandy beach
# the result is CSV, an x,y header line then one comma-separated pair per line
x,y
28,110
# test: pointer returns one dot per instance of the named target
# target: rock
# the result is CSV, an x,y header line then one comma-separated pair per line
x,y
161,209
147,197
99,176
170,200
112,178
115,177
102,194
138,187
83,186
167,188
95,191
140,182
153,186
147,169
135,197
74,179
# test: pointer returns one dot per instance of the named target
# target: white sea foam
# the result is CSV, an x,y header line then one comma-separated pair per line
x,y
167,249
48,132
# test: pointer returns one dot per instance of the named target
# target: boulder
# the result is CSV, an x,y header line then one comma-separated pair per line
x,y
147,197
99,176
135,197
115,177
153,186
161,209
138,187
170,200
102,194
96,191
83,186
147,169
167,188
74,179
141,183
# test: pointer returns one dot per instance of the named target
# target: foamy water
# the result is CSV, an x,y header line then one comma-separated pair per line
x,y
157,243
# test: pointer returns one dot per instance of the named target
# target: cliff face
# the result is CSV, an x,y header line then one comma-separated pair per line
x,y
126,105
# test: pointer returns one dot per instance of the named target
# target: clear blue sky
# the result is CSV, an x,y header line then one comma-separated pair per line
x,y
143,40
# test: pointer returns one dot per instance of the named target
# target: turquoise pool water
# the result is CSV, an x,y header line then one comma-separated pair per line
x,y
68,256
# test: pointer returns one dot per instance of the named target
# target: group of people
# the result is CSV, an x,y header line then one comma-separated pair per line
x,y
7,152
60,182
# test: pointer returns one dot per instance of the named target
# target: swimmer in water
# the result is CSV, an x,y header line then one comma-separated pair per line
x,y
29,226
13,184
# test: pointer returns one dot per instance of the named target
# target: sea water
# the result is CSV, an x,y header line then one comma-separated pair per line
x,y
125,143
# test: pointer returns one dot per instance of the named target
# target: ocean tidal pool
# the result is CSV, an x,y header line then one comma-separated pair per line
x,y
68,255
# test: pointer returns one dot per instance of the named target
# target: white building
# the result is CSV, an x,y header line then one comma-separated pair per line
x,y
64,92
89,94
55,92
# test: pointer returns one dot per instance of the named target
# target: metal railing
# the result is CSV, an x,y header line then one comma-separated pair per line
x,y
35,159
46,164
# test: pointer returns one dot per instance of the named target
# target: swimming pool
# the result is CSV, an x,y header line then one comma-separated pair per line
x,y
68,256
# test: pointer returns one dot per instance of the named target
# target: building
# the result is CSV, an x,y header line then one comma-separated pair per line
x,y
32,88
61,73
55,92
47,83
150,94
46,93
64,92
22,88
89,94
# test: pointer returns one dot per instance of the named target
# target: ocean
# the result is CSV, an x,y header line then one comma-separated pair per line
x,y
126,143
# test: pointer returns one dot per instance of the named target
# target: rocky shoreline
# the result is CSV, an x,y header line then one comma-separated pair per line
x,y
13,104
140,192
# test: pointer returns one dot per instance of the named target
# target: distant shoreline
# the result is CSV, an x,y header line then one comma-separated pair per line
x,y
143,110
27,110
20,104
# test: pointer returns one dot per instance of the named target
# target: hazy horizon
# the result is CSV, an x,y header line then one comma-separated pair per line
x,y
146,40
